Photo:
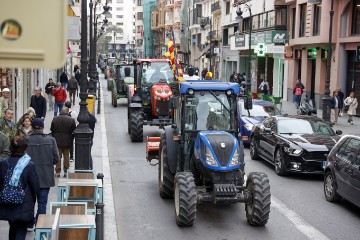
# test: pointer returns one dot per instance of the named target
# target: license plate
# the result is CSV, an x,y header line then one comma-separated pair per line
x,y
324,164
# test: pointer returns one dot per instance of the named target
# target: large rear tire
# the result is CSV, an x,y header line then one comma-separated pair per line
x,y
136,125
330,188
258,209
114,95
185,199
166,177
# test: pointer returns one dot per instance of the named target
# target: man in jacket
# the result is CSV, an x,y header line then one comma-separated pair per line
x,y
72,88
64,80
4,146
48,91
7,125
44,154
60,97
5,100
38,102
62,128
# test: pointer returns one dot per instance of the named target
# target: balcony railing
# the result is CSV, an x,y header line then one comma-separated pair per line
x,y
169,3
215,7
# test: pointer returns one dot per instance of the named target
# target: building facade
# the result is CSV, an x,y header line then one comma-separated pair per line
x,y
139,28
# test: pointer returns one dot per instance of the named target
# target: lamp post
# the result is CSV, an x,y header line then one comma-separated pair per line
x,y
91,43
203,24
83,132
327,98
248,99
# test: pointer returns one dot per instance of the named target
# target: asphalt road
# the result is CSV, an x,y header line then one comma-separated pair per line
x,y
298,210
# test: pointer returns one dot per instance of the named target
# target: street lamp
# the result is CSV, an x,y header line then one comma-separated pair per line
x,y
203,24
327,98
83,132
248,99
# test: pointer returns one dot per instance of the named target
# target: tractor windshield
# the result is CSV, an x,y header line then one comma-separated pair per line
x,y
210,111
158,72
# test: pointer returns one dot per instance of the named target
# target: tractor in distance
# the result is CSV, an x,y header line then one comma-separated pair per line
x,y
201,156
122,86
149,104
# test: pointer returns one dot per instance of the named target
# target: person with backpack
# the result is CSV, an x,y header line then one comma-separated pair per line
x,y
264,87
72,88
48,90
298,91
19,185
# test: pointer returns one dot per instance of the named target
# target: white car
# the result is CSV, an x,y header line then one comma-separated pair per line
x,y
194,77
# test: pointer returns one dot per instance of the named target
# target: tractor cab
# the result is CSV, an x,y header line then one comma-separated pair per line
x,y
122,85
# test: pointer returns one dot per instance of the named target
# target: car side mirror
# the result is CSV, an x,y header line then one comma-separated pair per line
x,y
338,132
267,130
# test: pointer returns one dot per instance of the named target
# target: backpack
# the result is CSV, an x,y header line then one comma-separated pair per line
x,y
298,91
11,195
265,87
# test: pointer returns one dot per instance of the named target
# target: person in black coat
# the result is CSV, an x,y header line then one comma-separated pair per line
x,y
20,217
92,121
38,103
341,98
64,80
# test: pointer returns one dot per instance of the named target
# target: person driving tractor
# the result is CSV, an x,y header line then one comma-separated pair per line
x,y
157,76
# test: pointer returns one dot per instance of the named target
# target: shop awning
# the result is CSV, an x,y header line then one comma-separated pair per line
x,y
204,51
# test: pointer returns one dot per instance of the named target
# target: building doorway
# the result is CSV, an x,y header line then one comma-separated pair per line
x,y
313,74
353,77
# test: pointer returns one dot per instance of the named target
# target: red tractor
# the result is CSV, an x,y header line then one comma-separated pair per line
x,y
150,104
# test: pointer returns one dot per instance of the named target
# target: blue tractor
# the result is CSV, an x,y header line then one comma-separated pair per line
x,y
201,156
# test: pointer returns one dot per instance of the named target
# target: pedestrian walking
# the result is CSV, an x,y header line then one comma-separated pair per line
x,y
64,80
72,88
44,154
4,146
19,172
25,128
341,98
76,67
73,114
78,76
38,103
350,105
298,91
62,128
30,112
264,87
232,77
335,103
203,73
48,93
60,97
7,125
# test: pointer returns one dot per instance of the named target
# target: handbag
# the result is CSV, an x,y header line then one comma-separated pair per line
x,y
346,107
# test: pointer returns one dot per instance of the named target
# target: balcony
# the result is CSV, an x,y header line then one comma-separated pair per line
x,y
169,3
216,8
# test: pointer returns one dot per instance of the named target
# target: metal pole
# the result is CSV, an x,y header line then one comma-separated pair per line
x,y
326,116
211,49
83,132
99,220
248,79
91,70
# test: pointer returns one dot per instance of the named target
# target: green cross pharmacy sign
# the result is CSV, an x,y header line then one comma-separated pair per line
x,y
261,49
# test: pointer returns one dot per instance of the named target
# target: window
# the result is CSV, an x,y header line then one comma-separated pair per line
x,y
271,19
225,36
119,9
293,23
355,29
280,16
119,38
255,22
119,16
139,2
303,9
262,20
139,15
119,1
246,24
227,8
316,21
119,23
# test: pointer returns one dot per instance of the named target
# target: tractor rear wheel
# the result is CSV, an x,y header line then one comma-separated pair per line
x,y
166,177
114,95
258,209
136,125
185,199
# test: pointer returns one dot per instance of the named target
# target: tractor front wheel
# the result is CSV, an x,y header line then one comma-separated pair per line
x,y
136,125
166,177
185,199
114,95
258,209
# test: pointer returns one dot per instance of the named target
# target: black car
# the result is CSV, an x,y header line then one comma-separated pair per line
x,y
293,143
342,172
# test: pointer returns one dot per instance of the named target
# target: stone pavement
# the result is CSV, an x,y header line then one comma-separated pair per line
x,y
100,164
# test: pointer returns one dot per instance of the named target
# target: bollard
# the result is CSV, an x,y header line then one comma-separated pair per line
x,y
99,220
71,165
100,176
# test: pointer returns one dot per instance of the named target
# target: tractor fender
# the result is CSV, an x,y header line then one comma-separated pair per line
x,y
172,150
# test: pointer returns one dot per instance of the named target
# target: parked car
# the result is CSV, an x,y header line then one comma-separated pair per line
x,y
248,118
342,172
293,143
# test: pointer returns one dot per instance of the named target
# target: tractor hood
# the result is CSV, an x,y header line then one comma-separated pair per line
x,y
218,150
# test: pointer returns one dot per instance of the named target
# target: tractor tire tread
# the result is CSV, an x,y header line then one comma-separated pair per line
x,y
136,125
166,189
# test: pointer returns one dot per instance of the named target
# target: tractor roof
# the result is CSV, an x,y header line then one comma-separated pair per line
x,y
209,85
152,60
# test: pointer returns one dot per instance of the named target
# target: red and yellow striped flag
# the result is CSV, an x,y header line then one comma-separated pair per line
x,y
176,68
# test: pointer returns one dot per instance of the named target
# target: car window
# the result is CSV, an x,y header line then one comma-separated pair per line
x,y
303,126
259,111
349,151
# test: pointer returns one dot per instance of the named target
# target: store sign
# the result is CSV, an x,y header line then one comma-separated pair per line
x,y
216,50
275,49
277,37
261,50
239,40
289,53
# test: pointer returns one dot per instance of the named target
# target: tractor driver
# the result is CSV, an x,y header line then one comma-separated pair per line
x,y
157,76
128,78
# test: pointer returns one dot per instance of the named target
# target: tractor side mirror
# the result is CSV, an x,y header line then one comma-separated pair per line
x,y
174,103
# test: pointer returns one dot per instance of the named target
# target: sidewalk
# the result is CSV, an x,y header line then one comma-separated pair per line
x,y
289,108
100,164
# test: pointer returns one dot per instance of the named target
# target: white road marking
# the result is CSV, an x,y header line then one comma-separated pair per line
x,y
110,231
305,228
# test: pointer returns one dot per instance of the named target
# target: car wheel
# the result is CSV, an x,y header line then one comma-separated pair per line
x,y
254,154
279,163
330,188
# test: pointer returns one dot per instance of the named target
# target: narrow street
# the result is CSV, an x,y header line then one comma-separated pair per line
x,y
298,211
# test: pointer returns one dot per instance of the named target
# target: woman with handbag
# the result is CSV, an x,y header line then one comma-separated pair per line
x,y
19,184
350,105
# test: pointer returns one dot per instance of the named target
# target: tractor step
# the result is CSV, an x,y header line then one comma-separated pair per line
x,y
152,148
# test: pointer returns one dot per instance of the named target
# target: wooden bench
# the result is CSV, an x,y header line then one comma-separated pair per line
x,y
81,174
76,208
82,192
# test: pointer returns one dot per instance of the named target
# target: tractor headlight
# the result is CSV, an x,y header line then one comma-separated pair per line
x,y
235,159
292,151
210,160
249,126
